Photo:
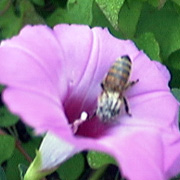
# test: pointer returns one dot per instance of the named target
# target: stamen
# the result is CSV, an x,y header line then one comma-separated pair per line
x,y
78,122
84,115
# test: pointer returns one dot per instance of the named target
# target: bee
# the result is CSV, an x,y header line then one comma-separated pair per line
x,y
113,86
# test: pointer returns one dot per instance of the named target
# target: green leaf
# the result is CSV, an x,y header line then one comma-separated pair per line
x,y
7,144
12,171
111,10
160,3
77,12
1,88
6,118
3,5
2,174
177,2
39,2
177,8
72,168
176,93
173,64
10,24
154,3
148,43
22,169
99,159
129,16
99,19
175,80
164,24
173,60
28,14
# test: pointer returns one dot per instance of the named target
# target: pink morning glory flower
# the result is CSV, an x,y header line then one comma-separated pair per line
x,y
53,75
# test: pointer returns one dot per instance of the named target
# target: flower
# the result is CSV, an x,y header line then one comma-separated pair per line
x,y
53,75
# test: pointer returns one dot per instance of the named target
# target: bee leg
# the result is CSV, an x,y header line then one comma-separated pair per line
x,y
126,106
92,116
131,83
102,85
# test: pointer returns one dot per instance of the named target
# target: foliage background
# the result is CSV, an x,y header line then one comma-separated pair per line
x,y
154,25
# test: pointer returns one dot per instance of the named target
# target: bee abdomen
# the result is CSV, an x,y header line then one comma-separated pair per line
x,y
118,74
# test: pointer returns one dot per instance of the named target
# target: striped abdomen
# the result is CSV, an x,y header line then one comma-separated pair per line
x,y
118,75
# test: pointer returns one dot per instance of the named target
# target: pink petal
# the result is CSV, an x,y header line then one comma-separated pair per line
x,y
151,79
172,153
157,109
140,160
139,152
163,70
38,111
31,60
21,70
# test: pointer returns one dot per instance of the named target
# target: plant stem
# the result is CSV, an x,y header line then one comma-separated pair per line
x,y
22,151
